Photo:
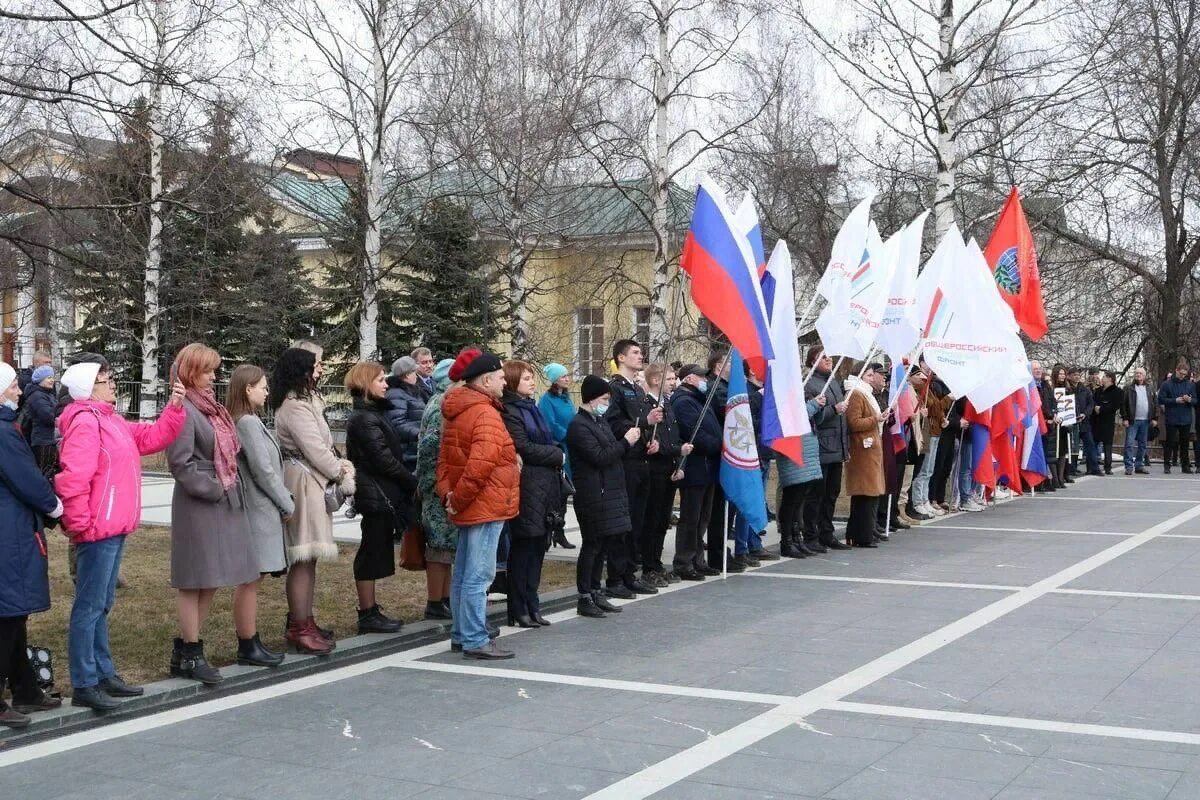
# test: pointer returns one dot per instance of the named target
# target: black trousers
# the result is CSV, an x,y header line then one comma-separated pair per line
x,y
794,522
861,527
942,466
624,553
819,503
526,555
1105,444
695,509
590,565
659,504
1177,445
718,528
15,669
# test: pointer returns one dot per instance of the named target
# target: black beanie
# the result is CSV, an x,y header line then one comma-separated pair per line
x,y
480,365
592,388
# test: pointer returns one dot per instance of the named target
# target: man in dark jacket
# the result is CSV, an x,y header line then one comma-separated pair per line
x,y
719,522
660,385
1104,419
1177,396
1085,405
1139,413
630,408
698,425
829,426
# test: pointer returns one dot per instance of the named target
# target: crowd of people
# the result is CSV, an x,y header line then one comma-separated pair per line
x,y
462,456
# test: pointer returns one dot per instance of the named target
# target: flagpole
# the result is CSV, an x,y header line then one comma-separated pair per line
x,y
808,309
813,368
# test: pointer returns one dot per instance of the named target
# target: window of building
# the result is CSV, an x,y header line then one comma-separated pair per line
x,y
641,328
591,355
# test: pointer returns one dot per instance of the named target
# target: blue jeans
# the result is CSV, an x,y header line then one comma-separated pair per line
x,y
1137,436
918,492
474,571
966,472
97,568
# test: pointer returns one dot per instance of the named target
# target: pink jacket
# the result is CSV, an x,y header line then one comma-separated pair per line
x,y
101,461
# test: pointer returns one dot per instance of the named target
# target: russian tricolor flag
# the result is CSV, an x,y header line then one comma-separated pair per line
x,y
785,412
1033,457
725,286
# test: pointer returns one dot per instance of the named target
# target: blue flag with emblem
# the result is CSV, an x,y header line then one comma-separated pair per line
x,y
741,474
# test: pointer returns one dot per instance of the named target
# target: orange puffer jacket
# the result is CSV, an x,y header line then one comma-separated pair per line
x,y
477,462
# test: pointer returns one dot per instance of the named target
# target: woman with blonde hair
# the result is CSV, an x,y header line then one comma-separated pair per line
x,y
211,545
384,492
268,504
312,472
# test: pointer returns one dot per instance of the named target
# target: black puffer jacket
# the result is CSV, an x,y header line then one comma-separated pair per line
x,y
541,469
601,504
407,405
384,483
41,407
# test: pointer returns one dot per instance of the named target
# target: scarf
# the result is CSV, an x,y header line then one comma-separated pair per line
x,y
535,424
856,384
227,445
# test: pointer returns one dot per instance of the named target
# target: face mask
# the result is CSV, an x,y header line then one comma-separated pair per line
x,y
11,404
600,411
703,387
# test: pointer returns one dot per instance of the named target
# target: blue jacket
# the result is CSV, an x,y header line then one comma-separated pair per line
x,y
791,473
407,403
42,406
1172,388
25,495
700,468
558,411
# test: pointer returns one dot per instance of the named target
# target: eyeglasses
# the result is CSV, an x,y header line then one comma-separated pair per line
x,y
107,381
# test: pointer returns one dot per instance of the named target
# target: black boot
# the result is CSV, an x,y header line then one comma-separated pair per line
x,y
435,610
252,653
586,607
188,661
602,603
560,540
788,549
373,620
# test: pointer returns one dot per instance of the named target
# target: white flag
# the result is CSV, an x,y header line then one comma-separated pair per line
x,y
900,331
848,247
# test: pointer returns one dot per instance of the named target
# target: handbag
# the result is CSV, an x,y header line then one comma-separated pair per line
x,y
335,498
412,548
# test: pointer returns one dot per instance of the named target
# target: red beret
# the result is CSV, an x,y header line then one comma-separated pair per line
x,y
462,362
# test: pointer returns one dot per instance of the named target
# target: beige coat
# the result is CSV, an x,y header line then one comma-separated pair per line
x,y
309,464
864,471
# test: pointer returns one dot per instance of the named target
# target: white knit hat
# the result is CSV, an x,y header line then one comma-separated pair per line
x,y
80,380
7,376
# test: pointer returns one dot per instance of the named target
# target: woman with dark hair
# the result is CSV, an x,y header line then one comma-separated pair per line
x,y
384,493
541,493
211,543
25,498
268,504
1059,380
311,465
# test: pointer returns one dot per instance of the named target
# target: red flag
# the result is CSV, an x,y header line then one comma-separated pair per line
x,y
1012,257
1004,429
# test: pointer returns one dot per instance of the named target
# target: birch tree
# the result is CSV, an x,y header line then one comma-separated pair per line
x,y
675,110
363,90
919,70
523,81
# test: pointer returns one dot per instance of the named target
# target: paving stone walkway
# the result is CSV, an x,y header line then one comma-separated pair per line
x,y
1043,650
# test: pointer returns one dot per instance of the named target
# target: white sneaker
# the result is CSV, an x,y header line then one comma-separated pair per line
x,y
1003,493
972,505
937,511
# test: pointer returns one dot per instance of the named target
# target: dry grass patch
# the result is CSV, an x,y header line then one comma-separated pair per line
x,y
142,624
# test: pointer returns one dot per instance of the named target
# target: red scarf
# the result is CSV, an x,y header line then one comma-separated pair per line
x,y
227,445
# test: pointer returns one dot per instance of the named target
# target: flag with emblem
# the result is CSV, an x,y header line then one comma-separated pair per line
x,y
1012,258
741,474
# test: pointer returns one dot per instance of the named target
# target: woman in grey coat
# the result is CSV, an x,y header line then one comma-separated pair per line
x,y
210,532
268,502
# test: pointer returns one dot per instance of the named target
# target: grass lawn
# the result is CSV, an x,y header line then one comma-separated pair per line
x,y
142,625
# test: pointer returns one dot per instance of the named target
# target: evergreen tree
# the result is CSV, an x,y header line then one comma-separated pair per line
x,y
445,301
341,291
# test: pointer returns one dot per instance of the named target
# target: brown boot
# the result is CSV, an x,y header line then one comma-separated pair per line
x,y
305,638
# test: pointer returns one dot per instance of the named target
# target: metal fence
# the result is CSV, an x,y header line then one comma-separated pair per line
x,y
129,401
